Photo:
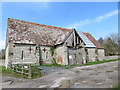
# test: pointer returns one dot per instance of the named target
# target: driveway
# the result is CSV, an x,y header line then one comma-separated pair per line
x,y
95,76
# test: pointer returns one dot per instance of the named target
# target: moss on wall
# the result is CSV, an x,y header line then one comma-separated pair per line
x,y
96,52
52,50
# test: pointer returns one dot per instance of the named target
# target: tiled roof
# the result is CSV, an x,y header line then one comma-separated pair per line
x,y
90,37
32,33
87,42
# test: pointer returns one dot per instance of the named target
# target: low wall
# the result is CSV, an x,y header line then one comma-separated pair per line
x,y
2,62
111,57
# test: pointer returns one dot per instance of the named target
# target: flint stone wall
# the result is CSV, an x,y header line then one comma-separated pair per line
x,y
101,55
91,54
22,54
61,54
111,57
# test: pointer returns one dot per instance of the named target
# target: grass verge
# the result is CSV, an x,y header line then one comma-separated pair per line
x,y
57,65
117,87
76,65
99,62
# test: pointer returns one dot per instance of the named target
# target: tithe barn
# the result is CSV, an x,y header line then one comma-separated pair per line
x,y
33,43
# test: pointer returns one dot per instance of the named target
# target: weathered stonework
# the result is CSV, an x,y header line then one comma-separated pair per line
x,y
75,56
101,55
61,54
31,43
91,54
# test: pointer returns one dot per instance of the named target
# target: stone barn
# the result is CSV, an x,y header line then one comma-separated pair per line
x,y
99,49
28,42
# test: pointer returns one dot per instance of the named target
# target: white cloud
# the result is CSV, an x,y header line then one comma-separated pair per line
x,y
94,20
100,18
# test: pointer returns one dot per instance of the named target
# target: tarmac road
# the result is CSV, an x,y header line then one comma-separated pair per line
x,y
95,76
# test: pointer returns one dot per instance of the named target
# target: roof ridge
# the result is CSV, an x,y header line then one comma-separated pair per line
x,y
41,24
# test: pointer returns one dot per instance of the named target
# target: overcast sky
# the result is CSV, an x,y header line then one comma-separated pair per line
x,y
98,18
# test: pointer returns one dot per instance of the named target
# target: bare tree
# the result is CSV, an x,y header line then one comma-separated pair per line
x,y
100,40
110,44
114,37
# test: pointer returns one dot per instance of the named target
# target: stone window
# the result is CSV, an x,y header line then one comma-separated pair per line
x,y
73,44
22,55
44,53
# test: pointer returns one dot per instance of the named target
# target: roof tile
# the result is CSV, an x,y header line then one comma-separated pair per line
x,y
32,33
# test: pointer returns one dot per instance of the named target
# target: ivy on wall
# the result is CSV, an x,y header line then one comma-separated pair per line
x,y
96,52
52,50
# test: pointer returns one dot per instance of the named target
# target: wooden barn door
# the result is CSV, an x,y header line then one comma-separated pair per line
x,y
71,57
74,56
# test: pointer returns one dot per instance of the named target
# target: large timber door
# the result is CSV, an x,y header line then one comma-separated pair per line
x,y
71,56
74,56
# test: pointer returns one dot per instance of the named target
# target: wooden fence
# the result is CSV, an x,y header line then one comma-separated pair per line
x,y
24,69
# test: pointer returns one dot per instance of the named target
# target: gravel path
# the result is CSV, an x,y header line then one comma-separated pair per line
x,y
49,70
95,76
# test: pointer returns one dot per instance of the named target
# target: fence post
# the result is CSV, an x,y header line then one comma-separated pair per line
x,y
13,68
29,72
22,70
16,68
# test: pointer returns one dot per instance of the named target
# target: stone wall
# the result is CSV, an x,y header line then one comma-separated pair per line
x,y
111,57
76,56
24,54
61,54
91,54
18,53
46,56
83,55
101,55
6,55
70,40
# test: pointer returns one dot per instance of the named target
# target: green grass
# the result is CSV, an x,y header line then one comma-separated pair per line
x,y
36,72
8,72
57,65
117,87
3,70
76,65
99,62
